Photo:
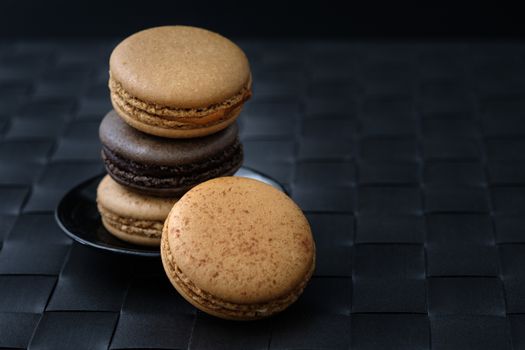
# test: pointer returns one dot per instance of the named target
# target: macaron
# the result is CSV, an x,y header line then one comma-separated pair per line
x,y
237,248
165,167
178,81
130,216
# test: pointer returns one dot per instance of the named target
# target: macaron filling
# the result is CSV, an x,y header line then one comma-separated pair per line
x,y
179,118
235,310
132,226
156,176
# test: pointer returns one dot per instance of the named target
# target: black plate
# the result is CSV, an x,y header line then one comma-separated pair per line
x,y
78,217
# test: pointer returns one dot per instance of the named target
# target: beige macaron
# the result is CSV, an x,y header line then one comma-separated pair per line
x,y
237,248
178,81
132,217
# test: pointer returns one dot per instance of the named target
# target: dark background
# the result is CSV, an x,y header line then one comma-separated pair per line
x,y
408,160
435,19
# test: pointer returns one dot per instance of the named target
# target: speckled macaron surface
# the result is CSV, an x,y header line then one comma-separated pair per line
x,y
130,216
178,81
237,248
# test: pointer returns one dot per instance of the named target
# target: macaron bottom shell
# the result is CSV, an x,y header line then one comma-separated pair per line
x,y
129,234
163,127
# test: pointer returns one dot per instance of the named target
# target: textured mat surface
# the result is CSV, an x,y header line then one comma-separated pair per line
x,y
409,160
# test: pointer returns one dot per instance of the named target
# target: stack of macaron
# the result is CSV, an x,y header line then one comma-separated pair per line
x,y
176,92
233,247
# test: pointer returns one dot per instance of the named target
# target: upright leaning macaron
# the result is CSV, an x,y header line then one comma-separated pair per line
x,y
178,81
165,167
130,216
237,248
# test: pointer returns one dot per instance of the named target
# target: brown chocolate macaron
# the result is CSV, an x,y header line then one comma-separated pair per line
x,y
238,248
178,81
166,167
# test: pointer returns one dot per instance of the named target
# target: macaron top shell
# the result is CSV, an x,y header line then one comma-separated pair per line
x,y
180,66
125,203
241,240
132,144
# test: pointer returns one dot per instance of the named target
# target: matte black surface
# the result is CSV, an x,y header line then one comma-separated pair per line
x,y
263,18
408,159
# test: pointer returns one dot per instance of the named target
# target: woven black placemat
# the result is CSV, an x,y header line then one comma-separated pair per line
x,y
408,159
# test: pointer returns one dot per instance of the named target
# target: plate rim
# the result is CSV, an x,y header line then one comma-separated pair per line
x,y
58,213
